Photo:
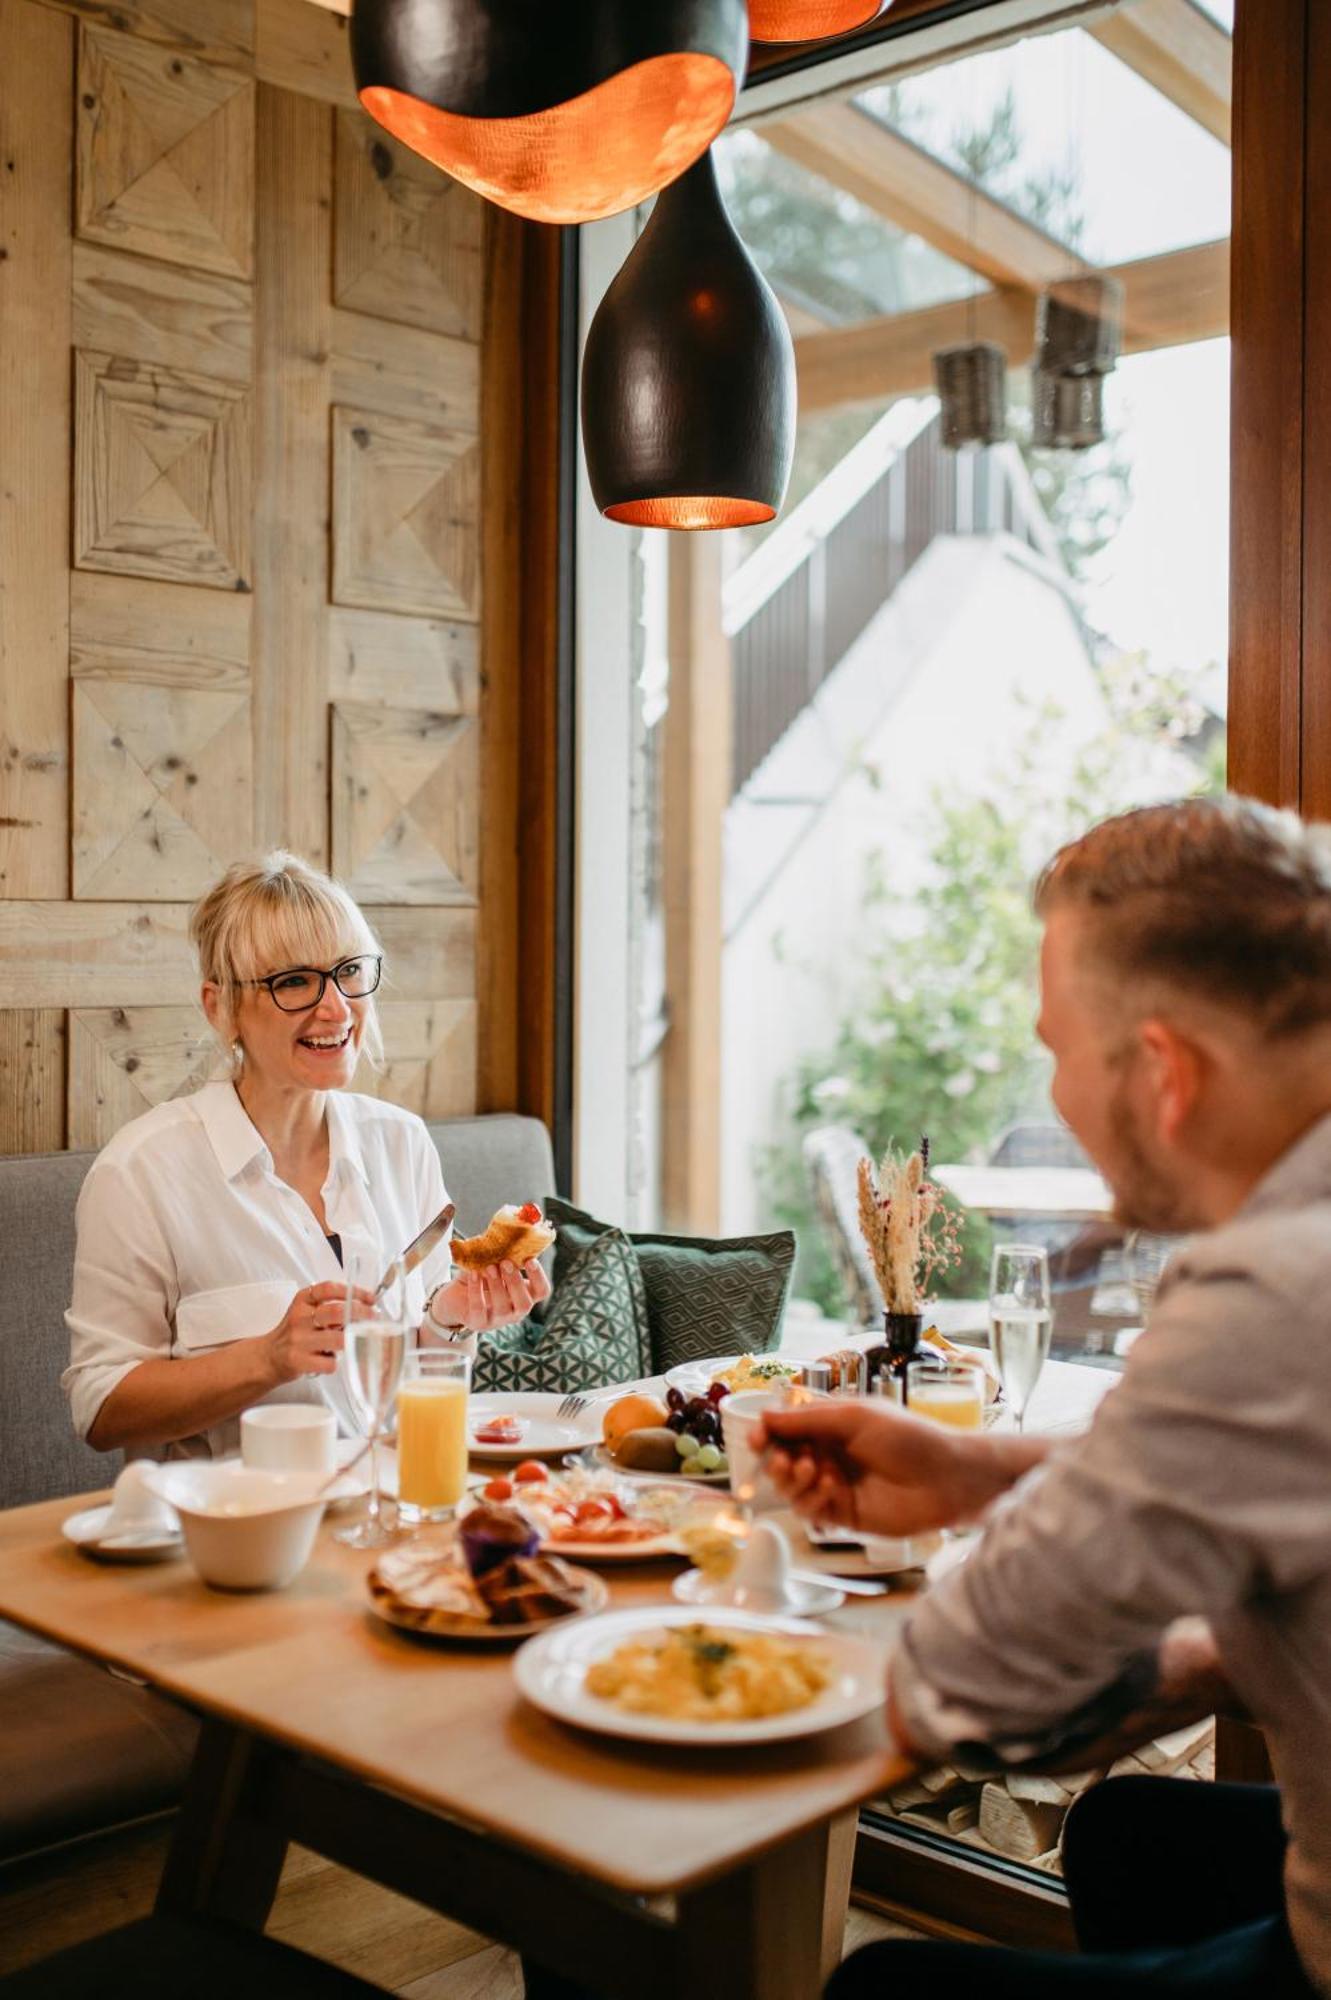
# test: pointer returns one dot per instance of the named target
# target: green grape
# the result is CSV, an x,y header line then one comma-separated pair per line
x,y
709,1458
686,1445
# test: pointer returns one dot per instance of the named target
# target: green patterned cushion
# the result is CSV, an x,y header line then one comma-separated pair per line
x,y
592,1331
704,1296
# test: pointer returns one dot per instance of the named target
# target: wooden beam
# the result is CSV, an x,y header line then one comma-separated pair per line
x,y
917,192
1268,449
36,145
521,532
1168,301
1180,50
304,47
697,792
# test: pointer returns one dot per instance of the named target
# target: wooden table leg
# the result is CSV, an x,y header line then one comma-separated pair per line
x,y
224,1859
758,1933
836,1889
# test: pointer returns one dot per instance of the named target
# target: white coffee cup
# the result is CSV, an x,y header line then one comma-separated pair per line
x,y
288,1437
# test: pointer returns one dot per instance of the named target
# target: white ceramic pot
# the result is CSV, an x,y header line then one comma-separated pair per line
x,y
289,1437
244,1529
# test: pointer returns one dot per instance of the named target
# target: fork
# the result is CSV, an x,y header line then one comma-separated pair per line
x,y
572,1404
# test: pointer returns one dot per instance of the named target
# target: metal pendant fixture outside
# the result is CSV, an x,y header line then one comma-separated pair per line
x,y
810,20
561,110
688,377
1079,325
1067,411
972,393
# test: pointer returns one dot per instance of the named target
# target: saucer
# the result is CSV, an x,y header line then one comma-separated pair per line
x,y
87,1531
802,1600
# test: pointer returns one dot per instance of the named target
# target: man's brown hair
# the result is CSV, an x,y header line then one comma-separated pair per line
x,y
1223,899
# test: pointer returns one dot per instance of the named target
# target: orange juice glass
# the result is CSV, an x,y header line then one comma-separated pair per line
x,y
432,1435
953,1394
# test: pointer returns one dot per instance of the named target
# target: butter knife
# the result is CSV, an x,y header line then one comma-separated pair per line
x,y
418,1250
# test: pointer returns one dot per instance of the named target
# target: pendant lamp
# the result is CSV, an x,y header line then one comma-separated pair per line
x,y
1079,325
972,393
688,378
810,20
561,110
1067,411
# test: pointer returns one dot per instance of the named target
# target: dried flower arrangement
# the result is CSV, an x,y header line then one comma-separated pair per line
x,y
910,1231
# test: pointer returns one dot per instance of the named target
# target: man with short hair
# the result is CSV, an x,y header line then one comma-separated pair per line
x,y
1186,1000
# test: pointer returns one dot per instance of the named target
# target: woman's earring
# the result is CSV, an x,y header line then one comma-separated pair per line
x,y
237,1055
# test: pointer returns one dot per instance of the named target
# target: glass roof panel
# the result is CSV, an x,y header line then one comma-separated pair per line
x,y
831,260
1072,139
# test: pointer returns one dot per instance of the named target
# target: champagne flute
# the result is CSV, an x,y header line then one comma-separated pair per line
x,y
1020,1320
374,1355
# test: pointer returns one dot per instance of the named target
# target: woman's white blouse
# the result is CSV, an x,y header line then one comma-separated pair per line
x,y
187,1239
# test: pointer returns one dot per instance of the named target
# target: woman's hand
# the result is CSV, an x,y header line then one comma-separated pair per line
x,y
496,1296
873,1466
308,1339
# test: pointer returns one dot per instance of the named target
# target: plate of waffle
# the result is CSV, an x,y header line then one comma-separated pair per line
x,y
429,1586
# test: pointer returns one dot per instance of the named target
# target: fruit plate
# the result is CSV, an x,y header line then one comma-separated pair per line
x,y
432,1623
552,1674
601,1457
696,1377
546,1433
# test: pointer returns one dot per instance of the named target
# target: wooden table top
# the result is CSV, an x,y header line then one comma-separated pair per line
x,y
310,1667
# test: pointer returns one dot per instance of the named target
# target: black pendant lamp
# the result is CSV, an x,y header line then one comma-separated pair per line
x,y
810,20
688,378
561,110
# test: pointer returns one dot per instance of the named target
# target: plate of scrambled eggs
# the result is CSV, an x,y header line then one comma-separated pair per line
x,y
665,1675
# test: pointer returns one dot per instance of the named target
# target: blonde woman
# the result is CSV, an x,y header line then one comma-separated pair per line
x,y
212,1232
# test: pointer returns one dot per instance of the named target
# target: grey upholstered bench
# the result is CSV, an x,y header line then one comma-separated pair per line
x,y
85,1750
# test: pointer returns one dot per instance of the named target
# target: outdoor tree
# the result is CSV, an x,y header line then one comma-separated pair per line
x,y
942,1038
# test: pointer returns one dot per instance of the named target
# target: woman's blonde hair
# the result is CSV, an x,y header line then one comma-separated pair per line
x,y
267,915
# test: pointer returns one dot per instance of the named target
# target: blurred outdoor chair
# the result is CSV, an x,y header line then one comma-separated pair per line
x,y
832,1155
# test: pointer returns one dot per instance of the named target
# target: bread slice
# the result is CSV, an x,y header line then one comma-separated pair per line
x,y
514,1235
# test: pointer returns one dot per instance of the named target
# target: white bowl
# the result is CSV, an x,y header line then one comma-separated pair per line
x,y
244,1529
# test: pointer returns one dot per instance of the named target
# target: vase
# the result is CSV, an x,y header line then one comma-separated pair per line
x,y
900,1346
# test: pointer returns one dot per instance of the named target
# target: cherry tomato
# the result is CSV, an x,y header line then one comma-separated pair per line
x,y
531,1473
593,1510
529,1212
498,1489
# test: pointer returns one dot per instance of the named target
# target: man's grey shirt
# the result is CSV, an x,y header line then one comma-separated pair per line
x,y
1203,1486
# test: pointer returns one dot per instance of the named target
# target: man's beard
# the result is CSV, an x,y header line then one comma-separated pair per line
x,y
1144,1195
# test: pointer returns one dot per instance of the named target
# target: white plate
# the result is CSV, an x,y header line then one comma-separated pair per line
x,y
546,1435
552,1672
602,1457
667,1543
696,1377
472,1632
871,1555
87,1531
803,1600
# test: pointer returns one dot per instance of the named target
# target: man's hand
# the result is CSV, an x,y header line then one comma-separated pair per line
x,y
873,1466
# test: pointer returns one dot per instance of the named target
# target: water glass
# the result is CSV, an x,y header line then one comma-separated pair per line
x,y
432,1435
373,1356
1020,1320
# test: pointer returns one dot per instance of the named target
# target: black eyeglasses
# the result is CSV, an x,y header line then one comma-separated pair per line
x,y
304,986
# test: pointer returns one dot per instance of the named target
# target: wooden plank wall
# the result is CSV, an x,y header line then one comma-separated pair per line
x,y
241,553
